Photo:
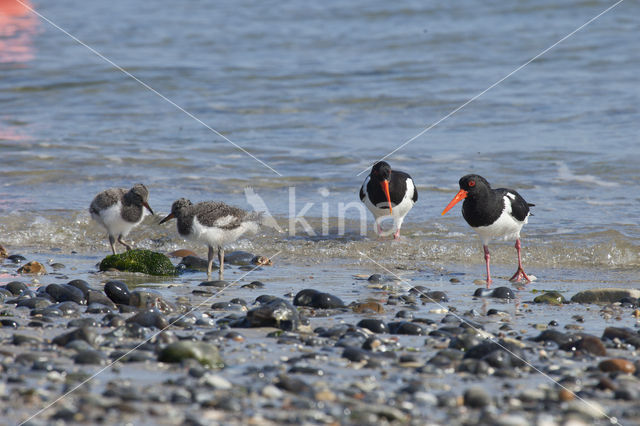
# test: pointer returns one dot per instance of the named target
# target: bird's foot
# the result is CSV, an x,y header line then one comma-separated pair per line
x,y
396,235
519,276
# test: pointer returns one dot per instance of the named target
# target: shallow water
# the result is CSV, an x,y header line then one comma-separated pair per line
x,y
318,93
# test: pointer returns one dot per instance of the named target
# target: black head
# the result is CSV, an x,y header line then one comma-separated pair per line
x,y
381,171
139,195
179,205
474,184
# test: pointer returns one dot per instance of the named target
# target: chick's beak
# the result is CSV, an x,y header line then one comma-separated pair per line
x,y
169,217
148,207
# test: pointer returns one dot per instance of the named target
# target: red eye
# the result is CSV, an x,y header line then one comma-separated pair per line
x,y
472,183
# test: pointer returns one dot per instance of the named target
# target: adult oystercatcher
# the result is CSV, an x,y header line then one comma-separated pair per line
x,y
212,223
119,210
385,189
493,214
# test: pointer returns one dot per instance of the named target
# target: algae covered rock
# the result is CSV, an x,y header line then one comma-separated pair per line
x,y
205,353
145,261
551,298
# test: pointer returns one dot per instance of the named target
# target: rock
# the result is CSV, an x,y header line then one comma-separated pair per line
x,y
3,252
90,357
83,333
118,292
253,285
618,333
215,283
476,397
367,307
195,262
434,296
553,336
82,285
293,385
205,353
617,365
604,295
551,298
34,303
374,325
315,299
16,287
182,253
238,258
144,261
7,322
97,297
586,343
261,261
405,327
503,293
16,258
150,318
275,313
65,293
32,268
147,300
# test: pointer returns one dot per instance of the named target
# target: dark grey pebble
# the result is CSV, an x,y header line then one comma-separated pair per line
x,y
8,322
451,319
316,299
184,320
374,325
149,318
194,262
253,285
375,278
22,339
118,292
555,336
351,338
16,258
264,298
92,357
404,314
498,293
474,366
133,356
405,327
66,293
82,322
83,333
16,287
476,397
97,308
67,308
310,371
276,313
57,266
82,285
507,353
94,296
34,303
465,341
355,354
216,283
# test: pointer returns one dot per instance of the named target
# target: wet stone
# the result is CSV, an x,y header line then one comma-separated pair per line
x,y
149,318
205,353
588,344
81,285
367,307
316,299
374,325
404,314
90,357
553,336
82,322
619,365
551,298
8,322
83,333
16,258
97,297
147,300
253,285
503,293
22,339
405,327
34,303
276,313
66,293
118,292
476,397
215,283
16,287
604,295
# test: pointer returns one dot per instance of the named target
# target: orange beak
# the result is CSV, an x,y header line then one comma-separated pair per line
x,y
169,217
385,188
461,195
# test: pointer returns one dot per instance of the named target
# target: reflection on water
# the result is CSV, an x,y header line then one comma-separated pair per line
x,y
17,27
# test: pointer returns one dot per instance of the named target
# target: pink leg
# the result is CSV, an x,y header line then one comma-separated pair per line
x,y
520,274
379,229
397,234
487,259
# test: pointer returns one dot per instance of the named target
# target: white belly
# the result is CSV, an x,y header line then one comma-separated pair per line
x,y
399,211
214,236
111,220
505,228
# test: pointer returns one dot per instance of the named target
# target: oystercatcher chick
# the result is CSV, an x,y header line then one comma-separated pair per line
x,y
212,223
119,210
493,214
385,189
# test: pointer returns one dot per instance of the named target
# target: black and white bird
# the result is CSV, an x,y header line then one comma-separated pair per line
x,y
388,192
493,214
214,224
119,210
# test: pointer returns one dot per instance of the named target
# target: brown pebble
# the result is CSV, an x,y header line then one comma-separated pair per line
x,y
617,365
636,313
182,253
262,261
592,345
3,252
32,268
454,280
566,395
360,308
